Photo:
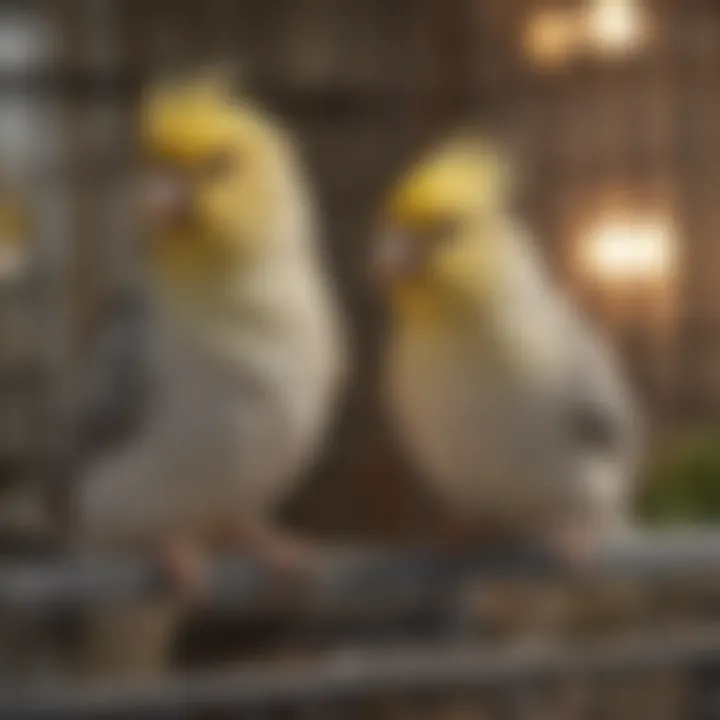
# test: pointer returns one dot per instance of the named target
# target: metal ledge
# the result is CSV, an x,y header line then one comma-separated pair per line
x,y
354,675
345,577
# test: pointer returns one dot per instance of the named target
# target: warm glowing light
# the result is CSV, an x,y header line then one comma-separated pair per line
x,y
615,26
620,249
553,36
550,37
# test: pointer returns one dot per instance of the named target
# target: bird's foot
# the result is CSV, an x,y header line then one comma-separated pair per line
x,y
182,566
574,544
290,560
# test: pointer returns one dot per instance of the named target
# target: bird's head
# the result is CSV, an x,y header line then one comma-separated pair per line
x,y
436,249
213,178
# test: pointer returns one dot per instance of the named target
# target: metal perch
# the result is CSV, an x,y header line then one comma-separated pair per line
x,y
344,676
346,577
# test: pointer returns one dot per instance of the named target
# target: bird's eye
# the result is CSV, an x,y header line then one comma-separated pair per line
x,y
218,166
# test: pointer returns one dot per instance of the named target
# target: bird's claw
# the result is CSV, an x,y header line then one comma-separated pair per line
x,y
574,545
182,567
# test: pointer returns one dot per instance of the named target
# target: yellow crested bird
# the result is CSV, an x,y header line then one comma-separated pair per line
x,y
246,354
514,410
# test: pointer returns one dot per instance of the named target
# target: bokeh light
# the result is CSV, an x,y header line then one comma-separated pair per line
x,y
615,26
618,248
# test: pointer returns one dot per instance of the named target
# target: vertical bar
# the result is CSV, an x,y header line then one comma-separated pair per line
x,y
409,34
88,50
31,158
686,177
103,145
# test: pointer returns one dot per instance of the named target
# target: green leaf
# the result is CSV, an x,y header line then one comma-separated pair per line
x,y
683,484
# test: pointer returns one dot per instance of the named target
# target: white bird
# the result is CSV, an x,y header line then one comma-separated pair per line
x,y
246,358
514,410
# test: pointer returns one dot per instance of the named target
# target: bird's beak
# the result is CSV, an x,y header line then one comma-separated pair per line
x,y
396,256
167,198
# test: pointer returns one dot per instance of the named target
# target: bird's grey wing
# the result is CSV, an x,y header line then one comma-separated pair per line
x,y
107,401
603,413
603,427
112,383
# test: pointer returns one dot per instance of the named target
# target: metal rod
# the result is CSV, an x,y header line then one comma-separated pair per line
x,y
346,578
348,675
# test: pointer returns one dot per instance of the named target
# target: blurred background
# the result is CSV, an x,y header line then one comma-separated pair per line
x,y
613,105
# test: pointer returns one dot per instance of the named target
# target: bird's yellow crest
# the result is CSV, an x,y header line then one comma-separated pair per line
x,y
215,164
189,118
464,176
440,218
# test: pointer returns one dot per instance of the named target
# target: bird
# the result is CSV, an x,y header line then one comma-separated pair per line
x,y
514,410
246,360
